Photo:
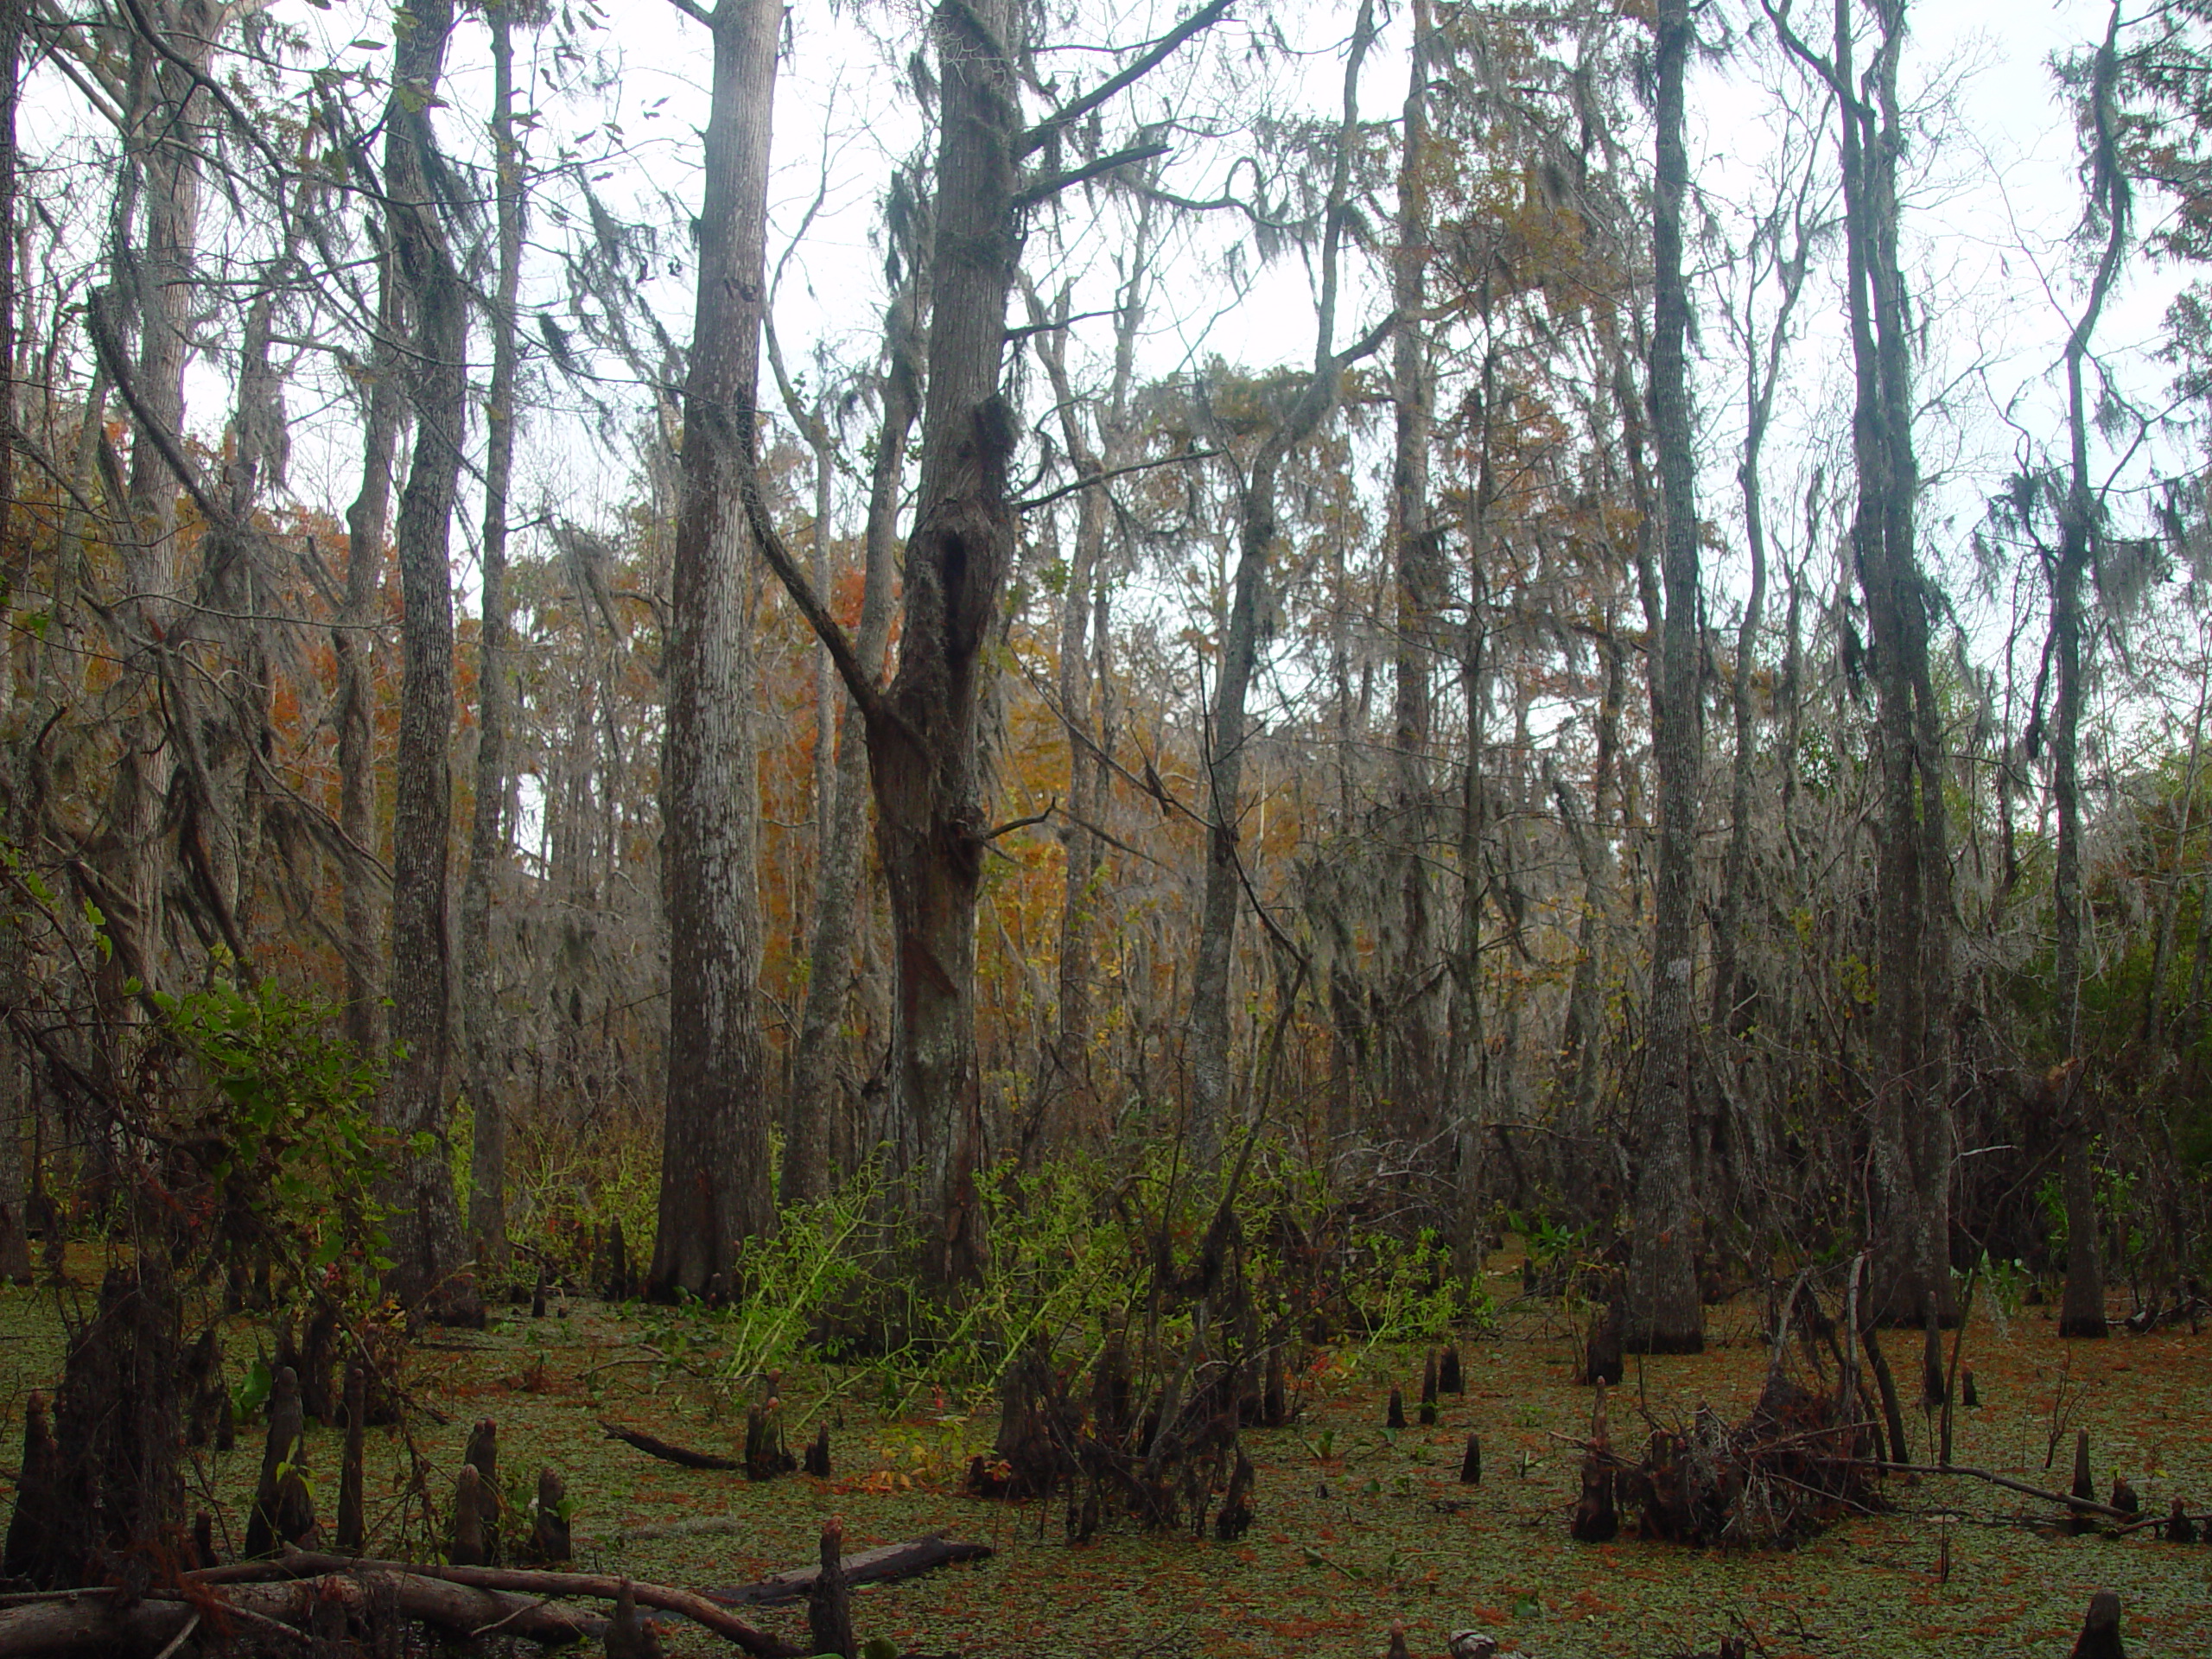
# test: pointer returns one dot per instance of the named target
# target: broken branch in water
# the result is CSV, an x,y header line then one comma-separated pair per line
x,y
658,1448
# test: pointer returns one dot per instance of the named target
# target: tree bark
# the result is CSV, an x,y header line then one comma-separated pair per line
x,y
923,738
714,1181
15,957
1064,1095
487,842
1238,657
1416,1097
1662,1313
425,1225
353,645
2082,1312
1910,1223
808,1153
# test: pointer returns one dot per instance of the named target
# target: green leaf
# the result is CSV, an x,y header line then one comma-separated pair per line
x,y
253,1389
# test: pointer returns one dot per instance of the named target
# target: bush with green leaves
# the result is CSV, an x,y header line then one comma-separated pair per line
x,y
275,1110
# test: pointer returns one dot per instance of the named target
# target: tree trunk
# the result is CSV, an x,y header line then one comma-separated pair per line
x,y
1662,1313
714,1180
924,739
353,645
1910,1223
1239,655
163,141
425,1226
808,1158
1064,1095
2082,1312
487,842
1415,1097
15,957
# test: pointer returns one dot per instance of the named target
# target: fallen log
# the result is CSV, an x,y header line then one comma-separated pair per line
x,y
2080,1505
883,1565
74,1623
661,1449
704,1610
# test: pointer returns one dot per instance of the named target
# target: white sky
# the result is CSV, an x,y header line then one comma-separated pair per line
x,y
1984,229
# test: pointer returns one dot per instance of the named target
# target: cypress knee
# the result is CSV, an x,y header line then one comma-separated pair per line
x,y
353,1522
2100,1637
1471,1466
548,1528
1395,1417
2084,1488
470,1531
829,1605
30,1532
1449,1380
286,1421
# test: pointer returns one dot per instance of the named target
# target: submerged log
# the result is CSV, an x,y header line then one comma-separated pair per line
x,y
103,1628
658,1448
883,1565
523,1583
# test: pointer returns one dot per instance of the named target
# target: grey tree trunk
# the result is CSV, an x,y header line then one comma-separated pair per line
x,y
2081,1313
1415,1000
714,1177
15,963
1209,1043
487,837
1663,1312
353,646
425,1224
924,739
164,138
1910,1225
1762,373
1063,1101
810,1152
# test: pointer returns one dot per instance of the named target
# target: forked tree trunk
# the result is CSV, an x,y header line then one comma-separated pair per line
x,y
714,1177
923,737
425,1225
1662,1312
